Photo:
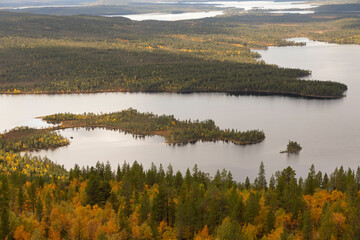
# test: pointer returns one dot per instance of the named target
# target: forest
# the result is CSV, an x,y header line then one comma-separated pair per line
x,y
42,200
73,54
146,124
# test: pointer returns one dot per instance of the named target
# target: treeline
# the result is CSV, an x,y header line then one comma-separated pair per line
x,y
27,139
52,54
130,202
143,124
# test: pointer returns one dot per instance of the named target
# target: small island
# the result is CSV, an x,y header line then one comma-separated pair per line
x,y
292,147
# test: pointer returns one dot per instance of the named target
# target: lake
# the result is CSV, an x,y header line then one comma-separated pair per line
x,y
328,130
169,16
263,5
296,7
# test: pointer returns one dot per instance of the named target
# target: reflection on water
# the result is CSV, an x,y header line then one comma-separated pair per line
x,y
328,130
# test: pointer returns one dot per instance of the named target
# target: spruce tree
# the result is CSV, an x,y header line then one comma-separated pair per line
x,y
247,183
260,182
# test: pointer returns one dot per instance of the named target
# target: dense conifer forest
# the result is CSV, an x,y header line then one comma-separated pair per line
x,y
67,54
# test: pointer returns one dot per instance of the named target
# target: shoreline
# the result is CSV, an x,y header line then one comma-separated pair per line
x,y
230,92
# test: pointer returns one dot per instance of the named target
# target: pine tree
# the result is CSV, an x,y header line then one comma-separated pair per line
x,y
247,183
118,173
260,182
178,181
310,182
108,175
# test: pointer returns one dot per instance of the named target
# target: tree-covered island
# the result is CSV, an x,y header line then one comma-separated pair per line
x,y
131,121
147,124
28,139
292,147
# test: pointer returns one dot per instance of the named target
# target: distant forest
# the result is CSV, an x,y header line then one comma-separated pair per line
x,y
65,54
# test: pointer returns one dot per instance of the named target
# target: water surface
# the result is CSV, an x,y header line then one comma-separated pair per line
x,y
263,5
295,7
169,16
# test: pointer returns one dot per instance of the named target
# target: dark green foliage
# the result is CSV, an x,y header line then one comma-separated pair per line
x,y
252,207
270,221
159,205
97,190
293,147
260,181
145,207
310,183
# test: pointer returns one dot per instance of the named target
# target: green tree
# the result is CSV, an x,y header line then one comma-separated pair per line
x,y
252,207
307,226
145,206
327,226
260,181
229,230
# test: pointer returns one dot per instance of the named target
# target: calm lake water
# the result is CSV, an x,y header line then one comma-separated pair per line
x,y
328,130
245,5
169,16
263,5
